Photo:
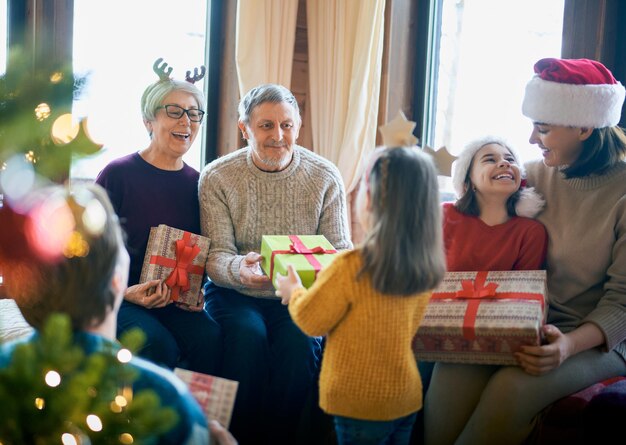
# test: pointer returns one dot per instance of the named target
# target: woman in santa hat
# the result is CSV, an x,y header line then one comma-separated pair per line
x,y
575,106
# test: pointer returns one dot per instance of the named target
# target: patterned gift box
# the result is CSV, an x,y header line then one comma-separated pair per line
x,y
308,254
482,317
178,258
215,395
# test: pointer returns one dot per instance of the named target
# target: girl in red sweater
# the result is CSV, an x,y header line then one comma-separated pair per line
x,y
488,227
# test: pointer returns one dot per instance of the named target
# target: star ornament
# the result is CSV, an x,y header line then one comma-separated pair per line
x,y
443,160
398,132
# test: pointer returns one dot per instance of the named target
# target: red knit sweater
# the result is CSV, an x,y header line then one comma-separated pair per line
x,y
518,244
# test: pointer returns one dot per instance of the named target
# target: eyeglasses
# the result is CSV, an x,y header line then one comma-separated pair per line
x,y
176,112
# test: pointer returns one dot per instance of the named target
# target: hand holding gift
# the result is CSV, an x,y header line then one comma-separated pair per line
x,y
484,318
174,267
151,294
287,284
250,272
307,253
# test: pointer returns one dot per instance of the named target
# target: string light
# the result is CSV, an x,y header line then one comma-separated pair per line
x,y
42,111
18,178
94,423
114,407
76,246
124,355
121,401
69,439
125,439
30,156
127,393
64,129
56,77
53,379
94,217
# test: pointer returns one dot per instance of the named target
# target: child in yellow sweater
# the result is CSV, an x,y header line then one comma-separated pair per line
x,y
370,301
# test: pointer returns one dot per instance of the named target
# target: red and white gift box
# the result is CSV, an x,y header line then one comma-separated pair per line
x,y
483,317
178,258
215,395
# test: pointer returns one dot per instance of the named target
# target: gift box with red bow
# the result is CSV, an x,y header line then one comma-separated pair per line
x,y
482,317
215,395
308,254
178,258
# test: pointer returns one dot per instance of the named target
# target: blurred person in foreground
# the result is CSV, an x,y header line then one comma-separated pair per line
x,y
86,281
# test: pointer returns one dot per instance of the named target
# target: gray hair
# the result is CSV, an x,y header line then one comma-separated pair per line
x,y
268,92
154,94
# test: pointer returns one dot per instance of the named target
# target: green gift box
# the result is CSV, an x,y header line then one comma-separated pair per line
x,y
308,254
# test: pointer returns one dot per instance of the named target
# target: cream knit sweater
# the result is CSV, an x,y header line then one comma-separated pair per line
x,y
240,203
586,223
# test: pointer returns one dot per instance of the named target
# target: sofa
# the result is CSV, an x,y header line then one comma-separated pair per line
x,y
592,415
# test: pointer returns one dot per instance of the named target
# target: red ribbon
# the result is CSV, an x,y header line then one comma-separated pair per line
x,y
298,247
474,291
185,252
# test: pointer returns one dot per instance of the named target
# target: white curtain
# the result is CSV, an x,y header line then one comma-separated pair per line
x,y
265,36
345,60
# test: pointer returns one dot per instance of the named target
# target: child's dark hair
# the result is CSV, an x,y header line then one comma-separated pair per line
x,y
403,251
77,285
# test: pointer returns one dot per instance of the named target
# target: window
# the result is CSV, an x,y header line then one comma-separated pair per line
x,y
115,44
486,52
3,36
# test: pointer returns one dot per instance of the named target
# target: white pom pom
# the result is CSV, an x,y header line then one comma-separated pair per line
x,y
530,203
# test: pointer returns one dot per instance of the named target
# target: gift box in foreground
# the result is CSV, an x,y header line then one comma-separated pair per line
x,y
178,258
215,395
482,317
308,254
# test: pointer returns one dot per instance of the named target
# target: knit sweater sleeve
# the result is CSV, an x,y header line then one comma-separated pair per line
x,y
586,223
610,312
334,217
319,309
223,262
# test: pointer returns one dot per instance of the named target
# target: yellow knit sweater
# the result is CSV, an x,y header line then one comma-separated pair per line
x,y
368,370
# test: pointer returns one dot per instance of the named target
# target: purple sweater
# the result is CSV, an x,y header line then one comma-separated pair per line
x,y
144,196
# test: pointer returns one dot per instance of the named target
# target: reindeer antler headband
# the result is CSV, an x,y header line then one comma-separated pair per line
x,y
164,70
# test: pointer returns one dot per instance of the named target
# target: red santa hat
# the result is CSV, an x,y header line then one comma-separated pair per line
x,y
573,92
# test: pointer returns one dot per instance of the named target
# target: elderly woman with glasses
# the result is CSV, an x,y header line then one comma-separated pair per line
x,y
155,186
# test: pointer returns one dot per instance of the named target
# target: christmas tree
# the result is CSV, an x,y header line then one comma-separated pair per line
x,y
35,117
52,392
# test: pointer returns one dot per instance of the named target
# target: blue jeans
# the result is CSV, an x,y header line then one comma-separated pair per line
x,y
175,337
274,362
370,432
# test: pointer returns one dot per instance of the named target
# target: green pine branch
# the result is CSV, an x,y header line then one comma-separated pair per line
x,y
35,412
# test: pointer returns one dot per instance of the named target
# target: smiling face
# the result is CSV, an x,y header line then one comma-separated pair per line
x,y
271,133
170,136
494,172
560,146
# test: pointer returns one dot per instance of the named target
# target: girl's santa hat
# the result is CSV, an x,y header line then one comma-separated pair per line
x,y
529,203
573,92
